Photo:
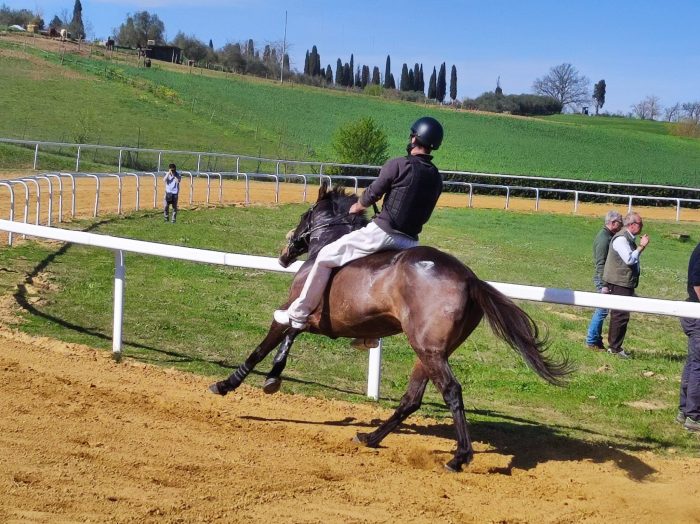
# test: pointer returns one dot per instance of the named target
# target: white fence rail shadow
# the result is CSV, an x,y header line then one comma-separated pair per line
x,y
120,246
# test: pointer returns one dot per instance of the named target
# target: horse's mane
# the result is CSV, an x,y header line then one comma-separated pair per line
x,y
342,200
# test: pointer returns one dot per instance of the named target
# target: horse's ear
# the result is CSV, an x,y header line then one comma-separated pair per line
x,y
322,191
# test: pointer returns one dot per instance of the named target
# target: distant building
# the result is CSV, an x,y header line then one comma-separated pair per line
x,y
166,53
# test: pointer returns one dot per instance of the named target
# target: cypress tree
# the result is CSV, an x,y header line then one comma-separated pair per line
x,y
314,62
387,72
392,82
403,83
352,68
421,82
599,95
365,76
211,44
76,26
375,76
441,86
347,75
329,75
453,83
431,86
339,73
306,63
411,81
416,77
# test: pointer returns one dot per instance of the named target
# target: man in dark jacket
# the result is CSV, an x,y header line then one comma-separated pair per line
x,y
689,404
411,186
601,245
621,274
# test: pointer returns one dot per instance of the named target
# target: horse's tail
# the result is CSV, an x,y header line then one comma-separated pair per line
x,y
514,326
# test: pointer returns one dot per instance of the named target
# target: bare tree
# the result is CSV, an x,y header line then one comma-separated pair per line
x,y
647,109
565,84
672,113
691,111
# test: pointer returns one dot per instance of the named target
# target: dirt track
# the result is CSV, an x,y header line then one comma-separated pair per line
x,y
259,192
85,439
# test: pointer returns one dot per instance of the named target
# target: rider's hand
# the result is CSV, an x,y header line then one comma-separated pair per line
x,y
356,208
644,241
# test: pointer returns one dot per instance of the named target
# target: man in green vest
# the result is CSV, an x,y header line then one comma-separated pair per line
x,y
601,246
621,274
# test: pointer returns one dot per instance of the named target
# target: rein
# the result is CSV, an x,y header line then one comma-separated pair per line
x,y
340,220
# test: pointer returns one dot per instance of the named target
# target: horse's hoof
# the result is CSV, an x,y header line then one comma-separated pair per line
x,y
453,469
363,438
272,385
214,388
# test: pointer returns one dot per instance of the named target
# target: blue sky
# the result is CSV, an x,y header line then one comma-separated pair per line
x,y
640,47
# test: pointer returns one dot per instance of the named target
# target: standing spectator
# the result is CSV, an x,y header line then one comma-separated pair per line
x,y
621,274
601,244
689,404
172,189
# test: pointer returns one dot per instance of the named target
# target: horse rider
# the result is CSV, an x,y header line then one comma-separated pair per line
x,y
411,186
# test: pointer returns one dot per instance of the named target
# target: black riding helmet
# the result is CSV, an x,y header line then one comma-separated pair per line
x,y
428,131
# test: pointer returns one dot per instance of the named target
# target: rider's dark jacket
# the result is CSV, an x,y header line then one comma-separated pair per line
x,y
411,186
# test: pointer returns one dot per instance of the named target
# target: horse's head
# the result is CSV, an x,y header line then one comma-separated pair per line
x,y
324,222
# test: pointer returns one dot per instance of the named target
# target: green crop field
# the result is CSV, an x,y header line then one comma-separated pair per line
x,y
206,319
96,101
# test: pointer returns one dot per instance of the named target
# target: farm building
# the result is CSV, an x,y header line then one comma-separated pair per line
x,y
166,53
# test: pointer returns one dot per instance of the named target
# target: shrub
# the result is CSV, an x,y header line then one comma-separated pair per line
x,y
361,142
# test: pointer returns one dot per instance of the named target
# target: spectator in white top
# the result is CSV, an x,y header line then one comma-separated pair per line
x,y
621,274
172,190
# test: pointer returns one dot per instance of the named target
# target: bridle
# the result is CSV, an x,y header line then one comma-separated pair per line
x,y
304,238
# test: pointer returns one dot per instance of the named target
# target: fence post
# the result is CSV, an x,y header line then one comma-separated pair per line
x,y
77,161
119,170
374,372
119,277
36,156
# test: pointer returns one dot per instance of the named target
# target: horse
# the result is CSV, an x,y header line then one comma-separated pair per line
x,y
431,296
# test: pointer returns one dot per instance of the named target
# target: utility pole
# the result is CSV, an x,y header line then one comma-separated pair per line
x,y
284,48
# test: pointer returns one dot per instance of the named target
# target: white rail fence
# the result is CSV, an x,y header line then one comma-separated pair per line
x,y
54,190
120,246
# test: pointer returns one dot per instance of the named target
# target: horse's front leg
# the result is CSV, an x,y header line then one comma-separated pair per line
x,y
273,338
273,382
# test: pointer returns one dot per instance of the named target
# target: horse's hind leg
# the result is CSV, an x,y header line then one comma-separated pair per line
x,y
441,375
410,402
276,334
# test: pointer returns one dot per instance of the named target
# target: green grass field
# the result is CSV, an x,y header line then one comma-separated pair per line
x,y
118,104
206,319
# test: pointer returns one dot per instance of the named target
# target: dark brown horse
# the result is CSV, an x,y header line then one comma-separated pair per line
x,y
429,295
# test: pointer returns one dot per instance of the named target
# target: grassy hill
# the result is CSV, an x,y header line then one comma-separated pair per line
x,y
94,100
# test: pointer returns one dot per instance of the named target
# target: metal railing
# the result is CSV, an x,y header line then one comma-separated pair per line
x,y
218,178
282,166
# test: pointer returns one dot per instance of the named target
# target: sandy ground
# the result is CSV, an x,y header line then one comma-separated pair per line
x,y
83,438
